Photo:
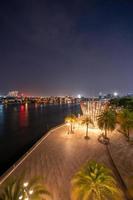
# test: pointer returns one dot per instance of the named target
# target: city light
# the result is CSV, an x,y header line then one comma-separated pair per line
x,y
115,94
31,192
79,96
25,184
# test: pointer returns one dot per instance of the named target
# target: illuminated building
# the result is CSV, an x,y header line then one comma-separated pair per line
x,y
12,94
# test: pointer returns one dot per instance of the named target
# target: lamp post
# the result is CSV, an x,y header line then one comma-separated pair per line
x,y
26,193
68,125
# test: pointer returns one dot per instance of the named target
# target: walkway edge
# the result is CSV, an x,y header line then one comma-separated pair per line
x,y
23,157
121,181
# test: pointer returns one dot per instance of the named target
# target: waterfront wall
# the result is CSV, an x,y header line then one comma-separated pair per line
x,y
12,169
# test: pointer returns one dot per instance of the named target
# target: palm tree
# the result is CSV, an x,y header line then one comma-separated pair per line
x,y
17,189
95,182
87,120
70,120
125,119
12,189
107,121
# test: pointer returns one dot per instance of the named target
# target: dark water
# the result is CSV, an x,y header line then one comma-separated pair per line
x,y
22,125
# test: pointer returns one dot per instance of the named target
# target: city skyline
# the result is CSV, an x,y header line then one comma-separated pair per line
x,y
66,48
109,94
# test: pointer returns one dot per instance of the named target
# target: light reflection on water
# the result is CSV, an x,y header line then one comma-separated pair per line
x,y
22,125
23,115
1,115
1,108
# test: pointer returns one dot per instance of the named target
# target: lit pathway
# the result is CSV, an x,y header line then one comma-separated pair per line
x,y
59,156
122,152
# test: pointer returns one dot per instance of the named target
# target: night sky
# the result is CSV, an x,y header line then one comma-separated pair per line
x,y
50,47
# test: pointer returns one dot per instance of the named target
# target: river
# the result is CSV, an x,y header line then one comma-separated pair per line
x,y
22,125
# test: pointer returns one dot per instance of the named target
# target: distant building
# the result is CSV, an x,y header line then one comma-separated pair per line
x,y
12,94
130,94
108,96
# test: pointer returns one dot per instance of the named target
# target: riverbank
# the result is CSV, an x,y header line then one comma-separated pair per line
x,y
12,169
57,156
21,126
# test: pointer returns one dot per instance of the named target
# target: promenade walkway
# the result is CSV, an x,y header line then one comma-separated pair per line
x,y
59,156
122,153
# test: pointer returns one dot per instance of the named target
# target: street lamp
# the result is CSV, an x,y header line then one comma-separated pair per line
x,y
115,94
31,192
25,184
79,96
68,125
27,193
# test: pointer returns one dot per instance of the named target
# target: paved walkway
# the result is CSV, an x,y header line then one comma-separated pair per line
x,y
59,156
122,152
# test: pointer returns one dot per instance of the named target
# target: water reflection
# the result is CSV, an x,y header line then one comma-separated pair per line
x,y
22,125
26,107
1,114
23,115
36,106
1,109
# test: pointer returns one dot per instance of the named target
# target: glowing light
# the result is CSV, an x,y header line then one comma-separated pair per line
x,y
20,197
31,192
68,124
25,184
115,94
79,96
22,108
26,106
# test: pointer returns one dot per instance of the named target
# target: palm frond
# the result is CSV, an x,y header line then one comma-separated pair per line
x,y
95,182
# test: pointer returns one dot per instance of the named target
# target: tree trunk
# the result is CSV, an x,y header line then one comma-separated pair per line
x,y
105,133
128,134
71,128
68,130
86,130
